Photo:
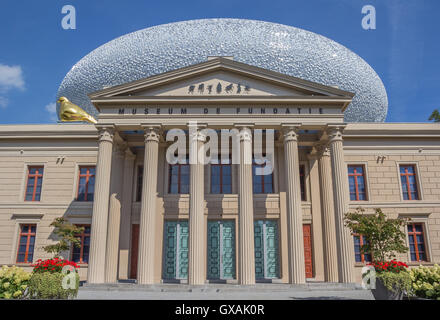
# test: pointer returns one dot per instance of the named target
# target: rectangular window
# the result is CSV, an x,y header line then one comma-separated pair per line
x,y
409,182
359,241
140,175
221,177
416,242
356,180
86,183
262,183
34,183
26,243
81,254
302,181
178,178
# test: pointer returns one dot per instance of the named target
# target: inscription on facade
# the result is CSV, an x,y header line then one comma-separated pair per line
x,y
218,110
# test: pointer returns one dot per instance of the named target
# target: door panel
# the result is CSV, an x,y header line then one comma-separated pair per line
x,y
213,250
175,250
272,267
221,249
169,254
308,254
259,249
134,250
228,249
183,250
266,249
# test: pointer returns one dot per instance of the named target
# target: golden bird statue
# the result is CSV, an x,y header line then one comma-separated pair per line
x,y
71,112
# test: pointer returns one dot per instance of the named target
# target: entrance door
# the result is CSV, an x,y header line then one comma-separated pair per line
x,y
221,249
266,249
175,250
308,257
134,250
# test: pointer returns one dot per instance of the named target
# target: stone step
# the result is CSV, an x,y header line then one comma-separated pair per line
x,y
260,287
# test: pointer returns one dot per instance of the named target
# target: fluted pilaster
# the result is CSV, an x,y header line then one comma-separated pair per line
x,y
147,227
294,211
341,198
246,256
98,237
328,215
114,220
197,238
125,230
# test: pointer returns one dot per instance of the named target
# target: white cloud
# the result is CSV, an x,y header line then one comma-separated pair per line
x,y
51,108
11,77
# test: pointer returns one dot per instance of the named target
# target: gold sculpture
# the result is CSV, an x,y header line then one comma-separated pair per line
x,y
71,112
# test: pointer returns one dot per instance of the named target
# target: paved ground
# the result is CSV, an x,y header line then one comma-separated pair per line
x,y
221,292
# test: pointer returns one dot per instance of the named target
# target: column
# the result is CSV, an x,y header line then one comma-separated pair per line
x,y
297,273
98,237
340,194
328,215
197,238
125,230
147,227
114,219
246,251
315,199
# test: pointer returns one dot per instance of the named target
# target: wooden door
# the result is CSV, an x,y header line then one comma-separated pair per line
x,y
308,255
134,250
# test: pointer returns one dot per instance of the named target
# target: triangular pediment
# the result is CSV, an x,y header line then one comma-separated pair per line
x,y
220,77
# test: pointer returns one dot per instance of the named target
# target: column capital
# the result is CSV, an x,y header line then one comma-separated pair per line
x,y
245,133
290,131
314,154
151,132
129,154
322,149
106,132
334,132
119,149
198,136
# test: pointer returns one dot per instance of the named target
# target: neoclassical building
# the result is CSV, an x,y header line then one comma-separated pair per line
x,y
154,221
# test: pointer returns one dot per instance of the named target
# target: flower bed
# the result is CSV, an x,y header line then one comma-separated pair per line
x,y
51,280
393,280
426,282
13,282
53,265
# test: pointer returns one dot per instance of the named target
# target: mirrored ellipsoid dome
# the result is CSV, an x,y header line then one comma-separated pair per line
x,y
272,46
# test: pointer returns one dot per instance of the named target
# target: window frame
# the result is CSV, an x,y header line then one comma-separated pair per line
x,y
221,165
416,178
28,235
82,236
425,241
180,165
139,182
262,177
28,174
361,242
303,182
87,182
356,175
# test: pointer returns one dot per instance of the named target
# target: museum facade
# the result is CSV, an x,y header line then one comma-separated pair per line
x,y
153,220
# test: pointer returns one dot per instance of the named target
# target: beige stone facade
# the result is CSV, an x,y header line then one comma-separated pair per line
x,y
129,235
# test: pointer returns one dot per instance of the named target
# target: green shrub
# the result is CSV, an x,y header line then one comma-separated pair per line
x,y
13,282
47,285
426,282
396,281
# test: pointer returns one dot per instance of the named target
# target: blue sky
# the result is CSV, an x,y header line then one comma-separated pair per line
x,y
36,53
